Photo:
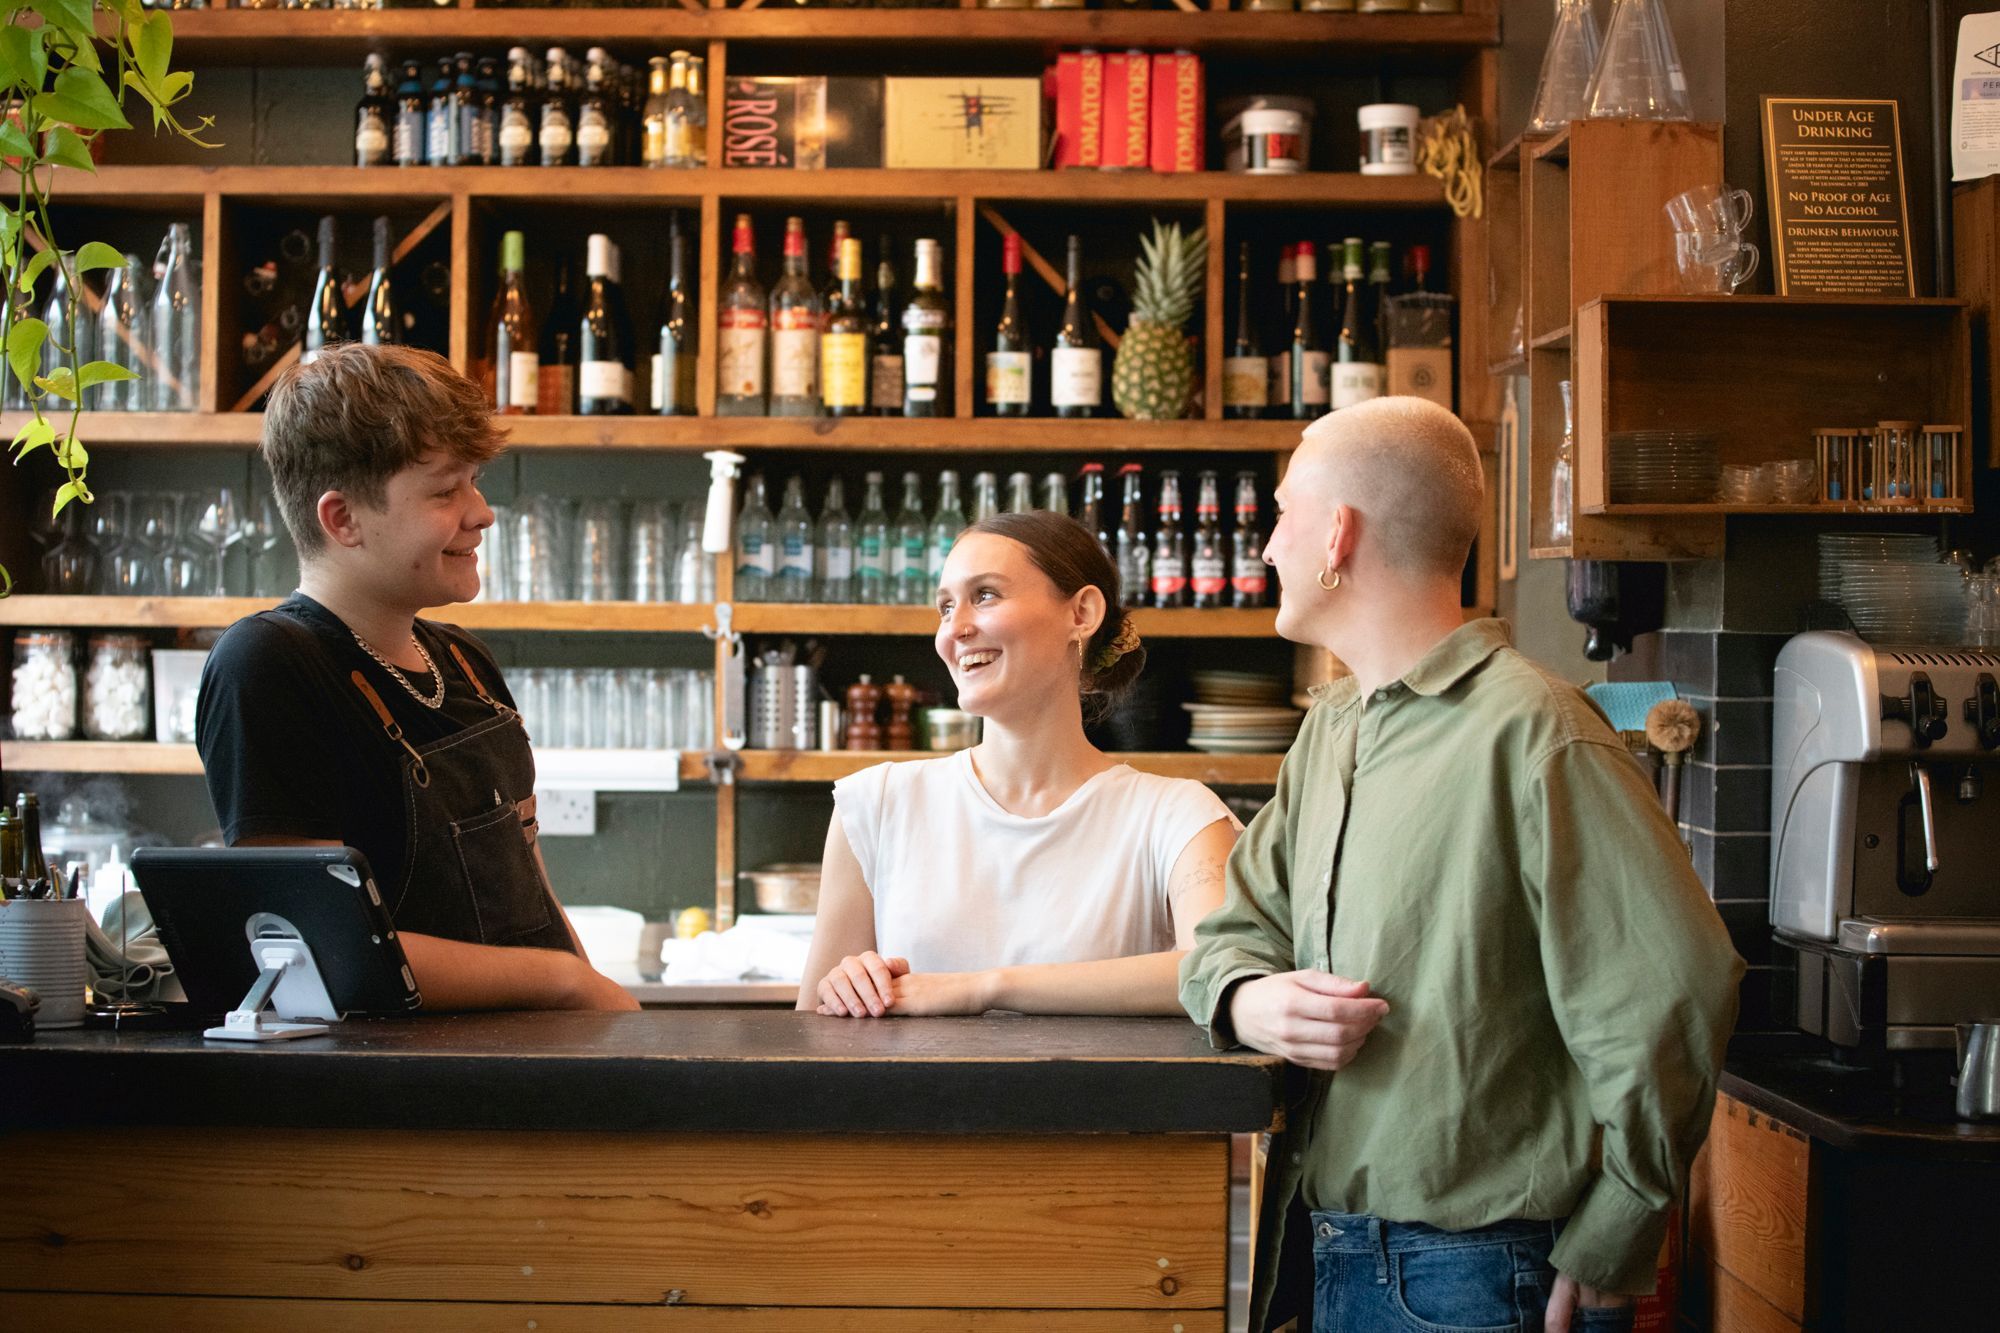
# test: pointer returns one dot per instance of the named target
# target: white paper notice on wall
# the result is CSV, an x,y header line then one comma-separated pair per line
x,y
1975,99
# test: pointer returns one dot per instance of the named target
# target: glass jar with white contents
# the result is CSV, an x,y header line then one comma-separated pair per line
x,y
118,689
44,686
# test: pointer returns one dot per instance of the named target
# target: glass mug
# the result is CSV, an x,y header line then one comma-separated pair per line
x,y
1715,210
1713,269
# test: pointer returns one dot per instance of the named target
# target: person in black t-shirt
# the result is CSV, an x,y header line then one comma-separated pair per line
x,y
340,718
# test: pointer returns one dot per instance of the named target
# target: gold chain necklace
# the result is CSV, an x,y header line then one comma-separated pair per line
x,y
436,701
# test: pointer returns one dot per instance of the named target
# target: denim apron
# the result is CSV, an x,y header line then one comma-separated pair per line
x,y
469,803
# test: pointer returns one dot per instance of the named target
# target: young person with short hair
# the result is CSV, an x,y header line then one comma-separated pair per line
x,y
1031,872
341,718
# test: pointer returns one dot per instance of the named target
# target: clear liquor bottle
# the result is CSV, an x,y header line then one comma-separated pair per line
x,y
872,538
653,137
1055,493
833,548
843,345
485,132
408,143
794,582
946,524
909,559
985,496
176,374
756,550
795,330
697,112
440,121
1020,492
740,339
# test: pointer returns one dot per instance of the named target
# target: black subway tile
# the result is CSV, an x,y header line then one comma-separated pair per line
x,y
1744,664
1687,658
1742,799
1742,867
1749,926
1733,731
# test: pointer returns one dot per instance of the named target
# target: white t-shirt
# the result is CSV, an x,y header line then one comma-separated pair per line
x,y
961,885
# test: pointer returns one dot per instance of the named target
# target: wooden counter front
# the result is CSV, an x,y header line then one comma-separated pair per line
x,y
573,1171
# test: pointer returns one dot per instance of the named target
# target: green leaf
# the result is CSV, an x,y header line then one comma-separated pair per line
x,y
65,148
61,382
132,11
37,264
73,15
176,85
72,455
81,99
103,372
14,141
153,46
34,435
22,58
24,347
96,255
70,490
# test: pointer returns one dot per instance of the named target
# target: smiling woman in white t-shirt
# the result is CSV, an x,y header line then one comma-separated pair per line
x,y
1031,872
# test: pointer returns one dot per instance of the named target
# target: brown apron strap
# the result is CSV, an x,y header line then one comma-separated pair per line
x,y
473,676
423,772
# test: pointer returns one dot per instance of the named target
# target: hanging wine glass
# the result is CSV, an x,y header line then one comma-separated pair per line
x,y
218,525
178,565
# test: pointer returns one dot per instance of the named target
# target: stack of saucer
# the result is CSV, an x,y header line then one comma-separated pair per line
x,y
1893,586
1239,712
1664,467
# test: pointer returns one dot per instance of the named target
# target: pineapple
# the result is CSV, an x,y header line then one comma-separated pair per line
x,y
1152,378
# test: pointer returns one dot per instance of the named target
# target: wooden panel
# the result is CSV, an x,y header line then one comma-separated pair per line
x,y
1094,1222
465,332
968,380
221,323
1545,200
1732,1307
1621,174
1747,1205
831,765
1976,269
54,1313
1214,341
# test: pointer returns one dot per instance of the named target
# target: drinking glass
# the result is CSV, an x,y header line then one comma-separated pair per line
x,y
653,723
496,583
1711,210
655,528
1982,610
176,564
537,564
1716,270
531,697
274,563
600,531
217,523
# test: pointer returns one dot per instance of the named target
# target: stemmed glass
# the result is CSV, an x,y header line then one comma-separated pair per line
x,y
176,563
218,524
273,571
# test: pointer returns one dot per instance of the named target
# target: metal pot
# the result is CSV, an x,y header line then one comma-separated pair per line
x,y
951,729
790,886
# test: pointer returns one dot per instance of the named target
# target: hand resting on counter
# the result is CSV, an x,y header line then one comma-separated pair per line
x,y
1311,1018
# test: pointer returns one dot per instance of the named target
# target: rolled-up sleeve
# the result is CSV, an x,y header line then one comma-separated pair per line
x,y
1643,983
1250,934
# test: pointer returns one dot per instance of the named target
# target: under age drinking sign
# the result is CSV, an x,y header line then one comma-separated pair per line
x,y
1840,221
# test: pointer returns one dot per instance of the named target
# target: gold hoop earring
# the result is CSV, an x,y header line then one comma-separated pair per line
x,y
1320,579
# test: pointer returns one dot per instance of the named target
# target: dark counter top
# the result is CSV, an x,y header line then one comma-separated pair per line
x,y
1856,1109
715,1070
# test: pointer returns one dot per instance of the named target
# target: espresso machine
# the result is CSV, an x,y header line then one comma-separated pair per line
x,y
1885,839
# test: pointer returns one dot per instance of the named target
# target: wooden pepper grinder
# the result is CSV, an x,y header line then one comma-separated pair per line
x,y
864,704
902,697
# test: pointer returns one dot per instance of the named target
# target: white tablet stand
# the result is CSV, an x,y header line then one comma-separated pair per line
x,y
287,980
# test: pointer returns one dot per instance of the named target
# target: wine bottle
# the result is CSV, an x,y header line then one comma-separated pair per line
x,y
1248,577
946,524
1010,365
1308,359
756,556
795,546
1357,368
1091,515
1208,556
409,143
909,563
556,131
660,78
594,116
843,347
885,345
1246,370
1379,256
372,115
1076,366
833,545
515,138
1280,391
326,317
673,364
604,336
1135,556
926,343
873,585
557,394
28,826
381,321
1170,582
740,341
795,332
510,335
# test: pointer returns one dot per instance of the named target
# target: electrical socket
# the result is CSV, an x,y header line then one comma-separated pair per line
x,y
566,813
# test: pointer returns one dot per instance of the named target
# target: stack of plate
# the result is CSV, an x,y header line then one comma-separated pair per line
x,y
1663,467
1893,587
1238,712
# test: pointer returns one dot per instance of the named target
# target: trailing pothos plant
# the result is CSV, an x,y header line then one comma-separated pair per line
x,y
66,70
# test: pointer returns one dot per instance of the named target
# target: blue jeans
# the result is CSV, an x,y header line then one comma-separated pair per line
x,y
1371,1276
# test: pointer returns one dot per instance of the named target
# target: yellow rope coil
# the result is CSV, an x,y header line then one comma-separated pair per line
x,y
1447,149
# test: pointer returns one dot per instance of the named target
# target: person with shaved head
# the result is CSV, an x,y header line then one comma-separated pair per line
x,y
1465,916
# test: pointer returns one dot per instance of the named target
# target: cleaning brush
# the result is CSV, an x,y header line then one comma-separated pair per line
x,y
1671,728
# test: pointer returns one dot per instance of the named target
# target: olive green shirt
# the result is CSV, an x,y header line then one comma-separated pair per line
x,y
1475,843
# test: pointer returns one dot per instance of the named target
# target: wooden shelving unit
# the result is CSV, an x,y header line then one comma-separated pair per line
x,y
458,213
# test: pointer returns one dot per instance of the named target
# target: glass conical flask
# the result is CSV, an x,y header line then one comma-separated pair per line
x,y
1639,74
1562,93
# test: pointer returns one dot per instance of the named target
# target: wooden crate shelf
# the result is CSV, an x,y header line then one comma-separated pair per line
x,y
1762,373
152,757
832,765
1152,623
219,36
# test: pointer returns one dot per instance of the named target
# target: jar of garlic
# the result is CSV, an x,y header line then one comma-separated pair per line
x,y
117,689
44,685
